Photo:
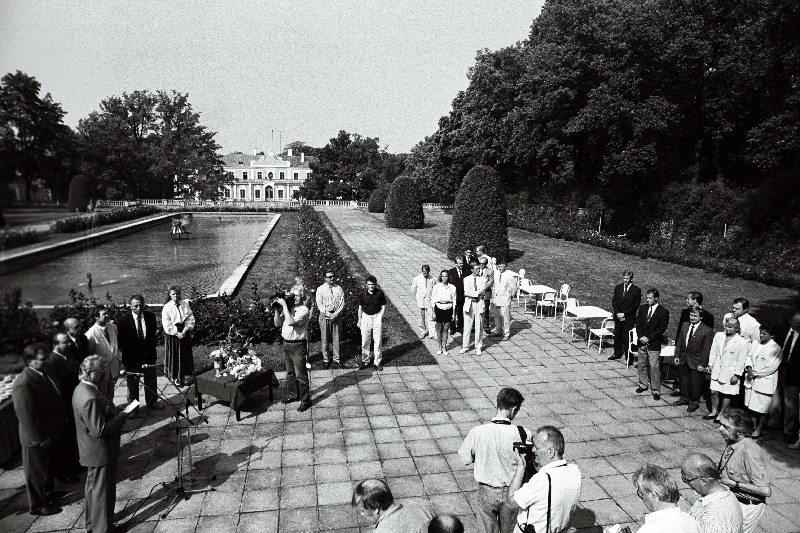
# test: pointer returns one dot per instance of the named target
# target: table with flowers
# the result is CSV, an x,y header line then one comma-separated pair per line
x,y
237,375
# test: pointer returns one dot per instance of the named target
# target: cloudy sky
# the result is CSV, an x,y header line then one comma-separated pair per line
x,y
302,70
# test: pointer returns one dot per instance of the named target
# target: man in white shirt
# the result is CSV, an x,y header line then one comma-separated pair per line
x,y
474,289
717,510
330,302
750,327
104,341
505,286
490,447
421,287
660,496
546,501
294,331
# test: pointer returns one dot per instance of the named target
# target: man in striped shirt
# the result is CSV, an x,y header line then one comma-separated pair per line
x,y
717,510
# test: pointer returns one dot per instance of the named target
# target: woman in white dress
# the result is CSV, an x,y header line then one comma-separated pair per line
x,y
761,377
178,321
726,364
443,299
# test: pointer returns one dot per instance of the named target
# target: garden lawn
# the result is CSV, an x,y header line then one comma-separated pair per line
x,y
593,272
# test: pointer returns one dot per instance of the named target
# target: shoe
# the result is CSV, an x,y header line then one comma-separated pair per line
x,y
362,365
680,402
756,437
379,367
180,384
614,357
69,479
444,352
290,399
716,421
692,408
46,511
438,352
336,364
157,405
463,350
710,416
506,337
656,396
675,393
305,406
794,446
640,390
326,365
478,352
424,334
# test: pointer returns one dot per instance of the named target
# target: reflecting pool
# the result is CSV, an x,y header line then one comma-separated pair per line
x,y
146,262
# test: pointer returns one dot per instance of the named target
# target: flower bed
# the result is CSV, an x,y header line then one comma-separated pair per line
x,y
80,223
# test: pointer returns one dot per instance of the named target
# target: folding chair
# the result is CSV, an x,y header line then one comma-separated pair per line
x,y
520,278
633,347
561,299
602,332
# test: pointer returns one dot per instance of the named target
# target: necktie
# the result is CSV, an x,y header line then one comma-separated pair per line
x,y
650,313
139,326
691,332
625,291
787,350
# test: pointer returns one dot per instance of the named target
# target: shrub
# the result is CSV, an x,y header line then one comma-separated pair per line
x,y
80,194
214,317
80,223
12,238
480,214
377,200
404,205
21,325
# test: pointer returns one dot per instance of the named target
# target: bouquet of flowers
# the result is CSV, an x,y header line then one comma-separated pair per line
x,y
235,356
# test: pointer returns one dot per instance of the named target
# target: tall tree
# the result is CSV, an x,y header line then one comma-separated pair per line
x,y
33,137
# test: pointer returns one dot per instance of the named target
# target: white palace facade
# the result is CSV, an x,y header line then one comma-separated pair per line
x,y
259,177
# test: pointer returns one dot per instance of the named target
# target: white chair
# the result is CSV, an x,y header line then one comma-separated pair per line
x,y
548,300
524,292
520,278
561,299
633,347
606,329
572,303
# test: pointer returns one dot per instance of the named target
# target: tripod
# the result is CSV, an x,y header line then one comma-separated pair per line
x,y
180,487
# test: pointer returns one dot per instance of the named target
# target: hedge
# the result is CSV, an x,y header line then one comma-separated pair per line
x,y
480,214
13,238
80,223
80,194
404,205
377,200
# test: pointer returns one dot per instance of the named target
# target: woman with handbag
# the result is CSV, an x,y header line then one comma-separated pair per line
x,y
178,321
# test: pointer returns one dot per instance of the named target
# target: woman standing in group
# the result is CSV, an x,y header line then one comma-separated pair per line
x,y
726,364
178,321
443,298
761,377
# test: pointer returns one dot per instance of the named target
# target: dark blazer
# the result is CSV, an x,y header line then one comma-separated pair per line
x,y
792,368
98,425
135,351
78,348
65,371
696,352
453,277
654,328
705,317
627,304
40,409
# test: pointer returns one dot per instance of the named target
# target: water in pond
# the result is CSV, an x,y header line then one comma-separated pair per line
x,y
146,262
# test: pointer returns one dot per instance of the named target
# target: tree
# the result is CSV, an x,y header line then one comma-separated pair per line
x,y
404,205
152,145
33,137
480,214
80,194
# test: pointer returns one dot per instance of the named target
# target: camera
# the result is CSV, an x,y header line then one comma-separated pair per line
x,y
523,447
281,293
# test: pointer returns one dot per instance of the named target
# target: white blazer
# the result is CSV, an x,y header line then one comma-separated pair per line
x,y
99,345
505,287
727,361
422,288
764,359
172,314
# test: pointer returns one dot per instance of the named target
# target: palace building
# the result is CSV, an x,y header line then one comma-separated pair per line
x,y
260,178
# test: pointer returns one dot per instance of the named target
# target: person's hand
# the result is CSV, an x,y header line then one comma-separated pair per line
x,y
281,302
734,380
520,459
122,372
700,368
643,340
621,316
677,361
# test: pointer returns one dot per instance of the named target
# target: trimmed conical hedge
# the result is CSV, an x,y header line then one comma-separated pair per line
x,y
377,200
404,205
480,214
80,194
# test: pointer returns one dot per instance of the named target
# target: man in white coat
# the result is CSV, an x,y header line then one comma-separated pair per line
x,y
474,290
103,341
421,286
750,327
505,287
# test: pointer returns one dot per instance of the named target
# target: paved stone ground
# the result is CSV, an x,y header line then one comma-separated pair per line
x,y
279,470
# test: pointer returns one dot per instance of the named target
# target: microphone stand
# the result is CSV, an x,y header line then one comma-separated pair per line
x,y
178,488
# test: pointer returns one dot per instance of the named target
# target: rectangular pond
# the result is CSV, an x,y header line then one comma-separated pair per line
x,y
146,262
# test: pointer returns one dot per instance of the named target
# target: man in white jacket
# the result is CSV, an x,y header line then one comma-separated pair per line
x,y
103,341
422,286
505,287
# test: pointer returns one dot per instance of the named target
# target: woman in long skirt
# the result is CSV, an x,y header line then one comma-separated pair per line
x,y
761,377
178,321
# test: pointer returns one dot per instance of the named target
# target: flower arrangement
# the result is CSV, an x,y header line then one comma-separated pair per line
x,y
235,356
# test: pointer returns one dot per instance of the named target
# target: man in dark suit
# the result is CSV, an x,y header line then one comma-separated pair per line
x,y
789,370
626,300
651,325
65,370
692,299
78,344
456,276
41,415
98,424
692,347
137,331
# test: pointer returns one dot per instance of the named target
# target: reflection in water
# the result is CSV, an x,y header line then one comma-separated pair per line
x,y
146,262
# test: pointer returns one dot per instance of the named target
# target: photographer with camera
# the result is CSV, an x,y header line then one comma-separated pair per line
x,y
293,321
546,502
491,448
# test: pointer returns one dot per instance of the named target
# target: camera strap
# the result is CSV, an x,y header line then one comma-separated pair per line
x,y
549,497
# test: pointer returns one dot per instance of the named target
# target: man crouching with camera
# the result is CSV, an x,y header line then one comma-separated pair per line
x,y
545,503
293,321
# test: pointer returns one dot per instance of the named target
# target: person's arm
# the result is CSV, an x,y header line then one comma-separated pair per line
x,y
708,338
94,418
467,450
338,298
167,320
741,355
771,363
359,316
516,482
287,316
756,473
24,400
680,341
278,317
188,321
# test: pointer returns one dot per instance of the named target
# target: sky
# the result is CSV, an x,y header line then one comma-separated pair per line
x,y
267,73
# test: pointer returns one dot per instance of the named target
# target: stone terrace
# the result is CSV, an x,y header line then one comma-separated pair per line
x,y
279,470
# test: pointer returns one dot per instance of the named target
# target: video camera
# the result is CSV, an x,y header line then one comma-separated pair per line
x,y
289,297
523,447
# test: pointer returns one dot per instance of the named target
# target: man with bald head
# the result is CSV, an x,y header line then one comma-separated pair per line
x,y
445,523
78,343
65,372
717,510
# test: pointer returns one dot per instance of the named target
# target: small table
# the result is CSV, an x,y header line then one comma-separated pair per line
x,y
229,389
536,290
586,313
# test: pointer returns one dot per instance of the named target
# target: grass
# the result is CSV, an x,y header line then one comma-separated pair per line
x,y
593,272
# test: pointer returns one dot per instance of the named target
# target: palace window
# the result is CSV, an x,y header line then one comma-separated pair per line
x,y
242,194
258,194
260,175
283,175
244,175
230,175
296,175
280,194
227,193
